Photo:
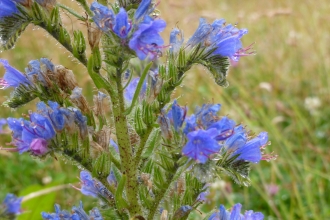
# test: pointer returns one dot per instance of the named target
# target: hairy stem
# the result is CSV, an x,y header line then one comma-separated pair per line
x,y
65,43
125,150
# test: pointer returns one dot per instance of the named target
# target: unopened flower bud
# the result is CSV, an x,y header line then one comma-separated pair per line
x,y
78,99
38,147
65,78
94,35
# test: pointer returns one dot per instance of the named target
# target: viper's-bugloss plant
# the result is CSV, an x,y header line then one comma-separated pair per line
x,y
140,152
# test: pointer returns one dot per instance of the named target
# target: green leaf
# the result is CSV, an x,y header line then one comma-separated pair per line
x,y
10,29
33,207
99,81
218,66
154,140
120,201
21,95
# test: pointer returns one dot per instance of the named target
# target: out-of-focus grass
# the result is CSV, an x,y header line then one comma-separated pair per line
x,y
268,91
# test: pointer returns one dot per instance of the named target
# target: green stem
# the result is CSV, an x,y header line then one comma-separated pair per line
x,y
125,150
71,11
160,195
115,161
55,33
86,7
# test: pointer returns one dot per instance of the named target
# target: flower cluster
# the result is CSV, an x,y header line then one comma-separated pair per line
x,y
142,32
207,134
235,214
77,213
10,206
224,39
34,135
39,72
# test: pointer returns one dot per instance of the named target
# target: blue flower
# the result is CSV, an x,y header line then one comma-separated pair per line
x,y
38,69
56,116
201,144
12,77
200,35
182,211
77,213
225,127
165,126
177,114
235,214
39,146
93,187
191,124
103,16
8,8
146,40
114,145
207,114
142,10
225,39
112,178
122,25
246,150
81,121
251,151
174,41
87,184
12,204
130,89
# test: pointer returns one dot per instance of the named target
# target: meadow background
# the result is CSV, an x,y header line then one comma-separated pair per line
x,y
283,89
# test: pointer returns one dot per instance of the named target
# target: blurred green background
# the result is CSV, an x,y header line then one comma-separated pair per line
x,y
283,89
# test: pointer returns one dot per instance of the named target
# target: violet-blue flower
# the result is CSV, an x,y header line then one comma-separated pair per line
x,y
177,115
225,127
81,121
191,124
103,16
235,214
56,116
225,39
87,184
174,41
165,126
130,89
77,213
38,68
182,211
146,40
93,187
122,25
142,10
200,35
12,77
251,151
12,204
201,144
207,114
8,8
39,146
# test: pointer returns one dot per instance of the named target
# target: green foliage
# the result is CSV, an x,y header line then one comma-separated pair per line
x,y
20,96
